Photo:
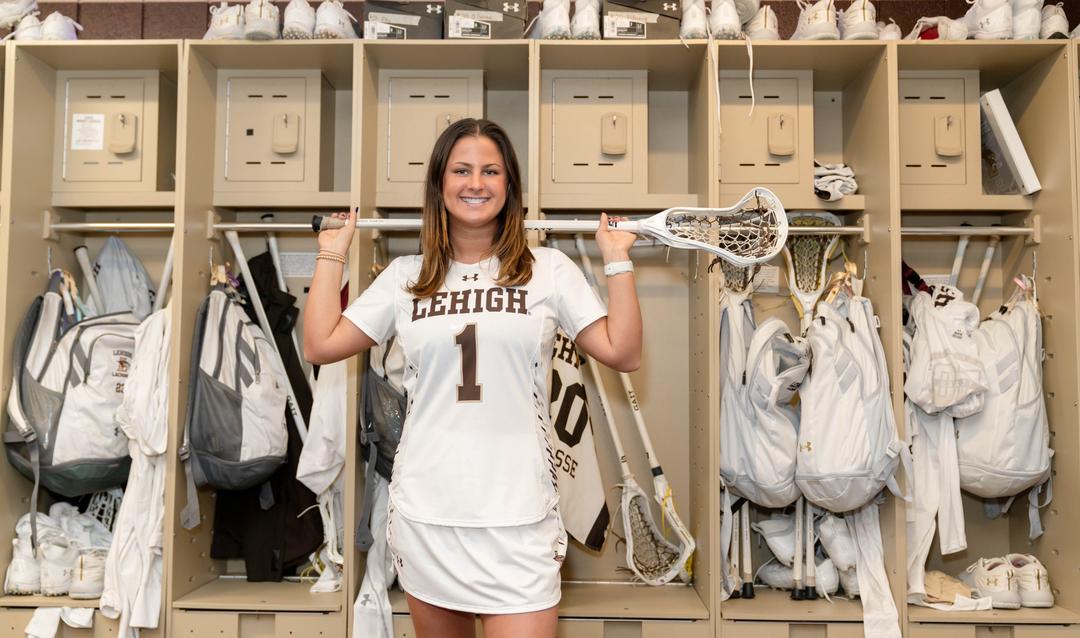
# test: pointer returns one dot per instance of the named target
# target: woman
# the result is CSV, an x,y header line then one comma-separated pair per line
x,y
473,525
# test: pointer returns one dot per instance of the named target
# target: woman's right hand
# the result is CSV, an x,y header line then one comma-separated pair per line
x,y
338,240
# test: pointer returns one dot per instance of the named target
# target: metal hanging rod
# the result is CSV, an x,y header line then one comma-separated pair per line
x,y
112,227
968,231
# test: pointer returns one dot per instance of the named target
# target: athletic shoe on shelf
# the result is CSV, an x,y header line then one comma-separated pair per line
x,y
747,9
695,23
88,575
1033,580
849,581
827,579
261,20
333,22
226,23
86,532
776,575
59,27
724,23
61,511
299,21
45,523
989,19
58,558
938,28
12,11
29,28
1075,33
779,533
1054,23
859,21
836,539
764,26
817,21
994,578
1027,19
889,31
23,573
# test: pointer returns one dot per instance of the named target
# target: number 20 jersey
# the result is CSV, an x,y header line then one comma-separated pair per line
x,y
476,448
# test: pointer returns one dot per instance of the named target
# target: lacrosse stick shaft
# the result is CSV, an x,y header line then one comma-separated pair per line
x,y
166,277
275,257
984,270
550,225
747,561
797,563
733,548
811,566
264,323
958,260
83,257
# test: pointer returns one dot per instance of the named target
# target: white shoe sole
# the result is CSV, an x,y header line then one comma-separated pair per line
x,y
728,33
862,32
88,595
1044,605
296,33
763,35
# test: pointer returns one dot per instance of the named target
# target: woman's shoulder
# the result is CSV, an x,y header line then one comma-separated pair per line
x,y
405,264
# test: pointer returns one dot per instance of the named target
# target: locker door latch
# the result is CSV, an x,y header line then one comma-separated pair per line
x,y
948,141
122,128
285,135
613,134
781,135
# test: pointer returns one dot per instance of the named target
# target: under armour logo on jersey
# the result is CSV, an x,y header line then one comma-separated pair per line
x,y
434,8
475,277
670,6
511,7
806,447
365,599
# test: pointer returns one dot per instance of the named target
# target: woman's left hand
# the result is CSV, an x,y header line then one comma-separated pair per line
x,y
614,244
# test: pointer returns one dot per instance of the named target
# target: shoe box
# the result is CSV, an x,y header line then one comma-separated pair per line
x,y
642,19
485,19
388,20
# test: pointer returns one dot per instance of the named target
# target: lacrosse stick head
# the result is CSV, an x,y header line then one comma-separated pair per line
x,y
751,232
807,258
651,556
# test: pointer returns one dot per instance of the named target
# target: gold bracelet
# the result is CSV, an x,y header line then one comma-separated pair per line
x,y
330,256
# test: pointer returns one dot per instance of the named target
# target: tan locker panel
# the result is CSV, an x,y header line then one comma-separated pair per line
x,y
675,630
415,108
580,629
403,627
922,630
939,117
13,622
594,132
274,131
108,126
791,630
308,625
195,624
775,143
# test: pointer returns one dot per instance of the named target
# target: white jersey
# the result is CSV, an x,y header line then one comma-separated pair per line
x,y
476,449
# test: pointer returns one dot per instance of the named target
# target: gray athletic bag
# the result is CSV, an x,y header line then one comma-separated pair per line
x,y
382,417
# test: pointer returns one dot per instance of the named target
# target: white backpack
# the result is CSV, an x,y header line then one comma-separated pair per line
x,y
235,436
848,444
759,431
1005,449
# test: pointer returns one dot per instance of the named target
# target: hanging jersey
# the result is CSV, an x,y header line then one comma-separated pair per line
x,y
476,449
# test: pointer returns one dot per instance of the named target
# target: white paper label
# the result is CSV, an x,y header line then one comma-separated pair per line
x,y
767,280
301,265
468,28
384,31
486,16
623,28
88,132
393,18
634,16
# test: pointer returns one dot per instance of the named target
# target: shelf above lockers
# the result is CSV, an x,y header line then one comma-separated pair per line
x,y
236,594
38,600
115,200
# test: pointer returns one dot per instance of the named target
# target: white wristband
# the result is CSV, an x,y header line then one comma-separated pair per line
x,y
618,268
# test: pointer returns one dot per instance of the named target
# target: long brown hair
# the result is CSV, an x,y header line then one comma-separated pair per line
x,y
510,246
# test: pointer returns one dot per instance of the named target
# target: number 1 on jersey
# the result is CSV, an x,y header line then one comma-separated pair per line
x,y
469,389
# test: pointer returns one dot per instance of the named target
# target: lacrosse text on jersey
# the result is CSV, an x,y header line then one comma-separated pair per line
x,y
463,302
477,446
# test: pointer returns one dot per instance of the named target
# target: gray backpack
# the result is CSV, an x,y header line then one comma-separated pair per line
x,y
382,417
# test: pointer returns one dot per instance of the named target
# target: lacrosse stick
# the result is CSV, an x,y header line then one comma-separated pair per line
x,y
83,257
661,489
752,231
264,323
958,260
166,277
984,270
275,257
733,554
737,280
807,258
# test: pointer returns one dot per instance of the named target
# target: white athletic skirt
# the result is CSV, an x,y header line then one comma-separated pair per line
x,y
480,570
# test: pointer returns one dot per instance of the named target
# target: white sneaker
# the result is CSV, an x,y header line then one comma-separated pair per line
x,y
994,577
1027,19
44,523
226,23
989,19
849,580
1075,33
828,580
817,21
299,21
889,31
1054,23
23,573
747,9
29,28
695,23
62,511
947,28
59,27
86,532
724,23
261,20
779,533
764,26
1033,580
57,560
333,22
88,575
776,575
836,539
12,11
859,21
